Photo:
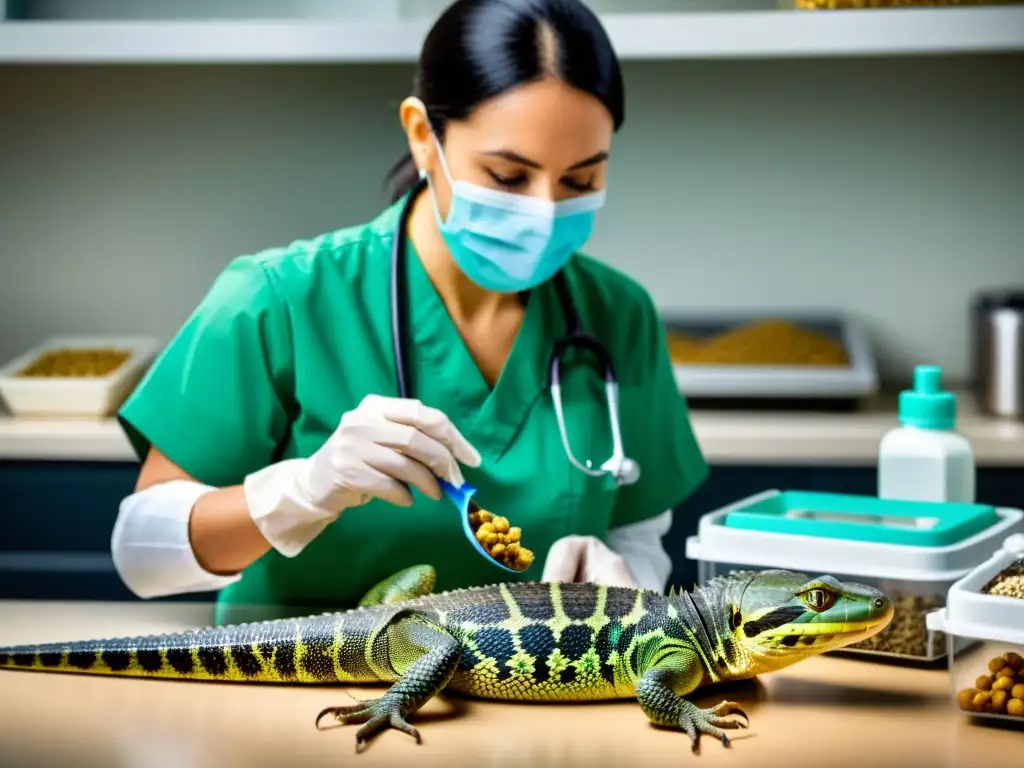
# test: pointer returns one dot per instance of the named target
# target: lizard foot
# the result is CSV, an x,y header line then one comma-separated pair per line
x,y
696,721
376,715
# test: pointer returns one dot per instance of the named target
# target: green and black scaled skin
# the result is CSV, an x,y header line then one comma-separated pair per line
x,y
520,641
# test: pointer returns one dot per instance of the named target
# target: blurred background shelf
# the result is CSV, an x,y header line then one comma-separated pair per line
x,y
637,36
726,437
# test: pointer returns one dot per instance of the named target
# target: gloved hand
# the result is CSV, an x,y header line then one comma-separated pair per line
x,y
379,449
586,559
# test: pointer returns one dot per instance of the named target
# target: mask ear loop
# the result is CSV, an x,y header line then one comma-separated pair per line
x,y
440,151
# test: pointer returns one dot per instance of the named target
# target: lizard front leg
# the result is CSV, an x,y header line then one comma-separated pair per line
x,y
660,691
424,656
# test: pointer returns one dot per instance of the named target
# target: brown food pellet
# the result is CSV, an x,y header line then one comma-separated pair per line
x,y
965,698
980,701
1006,672
1014,660
1017,692
1003,684
997,703
983,683
996,664
1015,707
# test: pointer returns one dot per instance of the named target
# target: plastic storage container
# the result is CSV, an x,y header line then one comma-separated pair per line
x,y
913,551
57,395
986,640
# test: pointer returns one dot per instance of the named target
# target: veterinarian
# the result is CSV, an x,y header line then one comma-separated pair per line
x,y
292,433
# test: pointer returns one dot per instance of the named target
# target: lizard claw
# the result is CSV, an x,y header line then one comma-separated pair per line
x,y
376,715
727,708
712,722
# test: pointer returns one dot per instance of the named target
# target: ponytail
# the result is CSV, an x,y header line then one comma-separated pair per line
x,y
402,177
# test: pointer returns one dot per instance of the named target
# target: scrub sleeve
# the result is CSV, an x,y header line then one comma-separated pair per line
x,y
288,340
209,403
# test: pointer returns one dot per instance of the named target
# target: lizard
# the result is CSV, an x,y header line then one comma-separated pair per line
x,y
517,641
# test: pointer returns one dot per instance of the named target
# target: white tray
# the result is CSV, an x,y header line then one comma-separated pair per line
x,y
90,396
971,614
859,379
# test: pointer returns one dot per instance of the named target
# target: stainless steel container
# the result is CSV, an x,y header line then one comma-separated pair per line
x,y
998,345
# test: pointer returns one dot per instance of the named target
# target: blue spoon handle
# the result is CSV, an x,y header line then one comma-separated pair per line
x,y
462,498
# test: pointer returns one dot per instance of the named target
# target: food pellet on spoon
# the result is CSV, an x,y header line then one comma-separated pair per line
x,y
500,540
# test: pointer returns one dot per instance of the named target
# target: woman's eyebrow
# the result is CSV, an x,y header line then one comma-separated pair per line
x,y
600,157
515,157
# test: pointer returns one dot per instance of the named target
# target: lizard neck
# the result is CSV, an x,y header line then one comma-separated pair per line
x,y
705,617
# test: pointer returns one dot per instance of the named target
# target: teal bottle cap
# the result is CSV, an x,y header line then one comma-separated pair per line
x,y
927,406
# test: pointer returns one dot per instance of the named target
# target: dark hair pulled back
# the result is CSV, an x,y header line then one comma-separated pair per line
x,y
478,49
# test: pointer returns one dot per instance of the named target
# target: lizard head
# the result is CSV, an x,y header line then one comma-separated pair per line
x,y
780,617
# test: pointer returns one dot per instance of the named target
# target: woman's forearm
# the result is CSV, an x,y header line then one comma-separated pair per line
x,y
178,536
224,538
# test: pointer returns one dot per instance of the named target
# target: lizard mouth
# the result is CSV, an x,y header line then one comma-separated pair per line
x,y
828,636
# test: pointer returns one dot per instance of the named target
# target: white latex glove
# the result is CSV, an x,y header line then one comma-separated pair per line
x,y
380,449
586,559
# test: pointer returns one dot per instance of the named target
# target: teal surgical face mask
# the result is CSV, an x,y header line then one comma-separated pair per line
x,y
507,242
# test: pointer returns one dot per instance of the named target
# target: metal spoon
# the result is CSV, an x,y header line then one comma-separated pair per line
x,y
462,498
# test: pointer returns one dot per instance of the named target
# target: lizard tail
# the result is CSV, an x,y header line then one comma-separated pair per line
x,y
246,652
316,649
311,650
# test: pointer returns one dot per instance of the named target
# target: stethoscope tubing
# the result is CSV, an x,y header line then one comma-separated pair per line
x,y
575,337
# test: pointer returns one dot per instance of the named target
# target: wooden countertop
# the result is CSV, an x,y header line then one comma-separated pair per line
x,y
823,712
726,437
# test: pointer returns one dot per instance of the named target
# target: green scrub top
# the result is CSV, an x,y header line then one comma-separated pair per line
x,y
289,339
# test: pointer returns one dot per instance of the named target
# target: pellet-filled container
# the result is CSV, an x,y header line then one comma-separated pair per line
x,y
984,622
914,551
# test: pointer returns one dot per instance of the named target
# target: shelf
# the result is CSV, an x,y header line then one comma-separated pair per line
x,y
63,440
755,34
726,437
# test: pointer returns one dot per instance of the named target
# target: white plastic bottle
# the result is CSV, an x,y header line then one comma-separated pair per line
x,y
925,459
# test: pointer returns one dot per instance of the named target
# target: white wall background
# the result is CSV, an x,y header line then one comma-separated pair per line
x,y
363,9
888,188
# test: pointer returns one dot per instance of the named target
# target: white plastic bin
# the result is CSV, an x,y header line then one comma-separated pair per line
x,y
77,396
916,578
986,666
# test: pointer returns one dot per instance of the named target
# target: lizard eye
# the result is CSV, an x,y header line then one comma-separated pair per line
x,y
818,599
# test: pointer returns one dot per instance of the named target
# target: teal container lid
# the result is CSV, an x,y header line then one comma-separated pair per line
x,y
864,518
927,406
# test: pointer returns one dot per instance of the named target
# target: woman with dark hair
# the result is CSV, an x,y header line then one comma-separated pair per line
x,y
310,395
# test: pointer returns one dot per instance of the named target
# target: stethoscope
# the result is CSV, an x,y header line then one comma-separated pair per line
x,y
625,470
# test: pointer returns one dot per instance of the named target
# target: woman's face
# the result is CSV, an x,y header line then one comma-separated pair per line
x,y
545,139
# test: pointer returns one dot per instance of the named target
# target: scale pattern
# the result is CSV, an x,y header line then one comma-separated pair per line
x,y
516,641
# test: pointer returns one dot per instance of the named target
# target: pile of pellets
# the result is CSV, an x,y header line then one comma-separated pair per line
x,y
1009,582
1000,692
907,633
500,540
75,363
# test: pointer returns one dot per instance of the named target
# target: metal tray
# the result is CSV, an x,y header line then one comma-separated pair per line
x,y
857,380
